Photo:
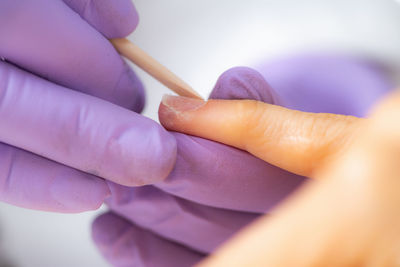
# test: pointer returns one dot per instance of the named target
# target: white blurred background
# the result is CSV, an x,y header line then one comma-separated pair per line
x,y
199,40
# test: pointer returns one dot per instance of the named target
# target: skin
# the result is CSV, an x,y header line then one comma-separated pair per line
x,y
293,140
349,216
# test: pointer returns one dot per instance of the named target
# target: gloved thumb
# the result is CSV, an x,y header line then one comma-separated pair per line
x,y
293,140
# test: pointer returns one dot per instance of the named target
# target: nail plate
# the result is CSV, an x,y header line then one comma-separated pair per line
x,y
181,103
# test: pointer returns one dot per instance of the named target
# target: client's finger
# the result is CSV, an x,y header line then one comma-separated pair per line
x,y
293,140
350,218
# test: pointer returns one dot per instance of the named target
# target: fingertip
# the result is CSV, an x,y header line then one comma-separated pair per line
x,y
151,159
107,229
218,120
127,21
243,83
113,18
164,151
79,192
174,109
118,19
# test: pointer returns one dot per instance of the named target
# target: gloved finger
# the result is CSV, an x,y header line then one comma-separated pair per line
x,y
199,227
221,176
125,244
113,18
244,83
327,82
82,131
296,141
30,181
49,39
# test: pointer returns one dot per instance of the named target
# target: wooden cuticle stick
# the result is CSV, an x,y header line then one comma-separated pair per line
x,y
144,61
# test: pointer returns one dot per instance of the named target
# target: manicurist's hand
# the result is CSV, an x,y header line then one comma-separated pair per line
x,y
68,106
348,216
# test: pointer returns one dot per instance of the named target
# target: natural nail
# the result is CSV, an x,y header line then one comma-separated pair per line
x,y
181,103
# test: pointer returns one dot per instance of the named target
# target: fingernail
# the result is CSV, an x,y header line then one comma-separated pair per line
x,y
181,103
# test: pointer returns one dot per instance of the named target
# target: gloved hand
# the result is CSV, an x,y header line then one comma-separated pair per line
x,y
67,103
214,190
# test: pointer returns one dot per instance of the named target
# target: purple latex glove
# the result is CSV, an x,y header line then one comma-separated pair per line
x,y
330,83
214,189
67,103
